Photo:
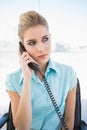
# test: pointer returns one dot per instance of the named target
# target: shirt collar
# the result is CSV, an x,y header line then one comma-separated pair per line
x,y
51,66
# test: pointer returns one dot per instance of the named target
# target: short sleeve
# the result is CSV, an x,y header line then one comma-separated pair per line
x,y
72,79
9,84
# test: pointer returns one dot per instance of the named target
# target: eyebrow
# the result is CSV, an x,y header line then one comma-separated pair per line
x,y
35,39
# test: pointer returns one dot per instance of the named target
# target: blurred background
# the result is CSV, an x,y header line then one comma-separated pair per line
x,y
68,26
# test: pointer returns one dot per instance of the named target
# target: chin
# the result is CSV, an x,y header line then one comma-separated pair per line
x,y
42,62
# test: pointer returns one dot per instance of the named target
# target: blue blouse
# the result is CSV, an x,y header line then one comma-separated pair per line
x,y
61,79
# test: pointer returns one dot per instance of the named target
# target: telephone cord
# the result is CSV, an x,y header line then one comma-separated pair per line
x,y
54,102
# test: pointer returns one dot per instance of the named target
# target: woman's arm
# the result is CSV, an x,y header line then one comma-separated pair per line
x,y
70,109
21,107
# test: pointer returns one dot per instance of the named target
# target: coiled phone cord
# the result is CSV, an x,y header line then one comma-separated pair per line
x,y
54,102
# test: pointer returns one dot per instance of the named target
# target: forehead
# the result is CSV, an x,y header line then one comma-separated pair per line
x,y
36,31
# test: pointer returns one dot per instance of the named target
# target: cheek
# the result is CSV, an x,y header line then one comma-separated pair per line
x,y
49,47
30,52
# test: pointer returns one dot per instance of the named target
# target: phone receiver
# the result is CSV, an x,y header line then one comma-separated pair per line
x,y
32,65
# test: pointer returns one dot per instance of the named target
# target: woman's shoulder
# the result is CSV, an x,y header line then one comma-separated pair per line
x,y
16,74
61,66
13,80
63,69
67,73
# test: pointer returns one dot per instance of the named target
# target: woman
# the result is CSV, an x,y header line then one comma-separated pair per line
x,y
32,108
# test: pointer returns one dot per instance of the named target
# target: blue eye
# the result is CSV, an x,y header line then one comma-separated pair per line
x,y
31,43
45,39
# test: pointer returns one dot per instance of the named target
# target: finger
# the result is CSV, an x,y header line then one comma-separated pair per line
x,y
28,61
25,54
26,58
32,60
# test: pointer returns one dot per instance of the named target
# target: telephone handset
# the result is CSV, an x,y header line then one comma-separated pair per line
x,y
32,65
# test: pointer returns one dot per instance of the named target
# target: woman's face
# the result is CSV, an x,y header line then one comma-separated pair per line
x,y
37,42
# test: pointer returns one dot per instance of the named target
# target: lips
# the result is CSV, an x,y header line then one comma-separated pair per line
x,y
42,56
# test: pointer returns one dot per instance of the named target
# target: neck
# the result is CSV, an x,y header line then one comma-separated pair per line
x,y
43,70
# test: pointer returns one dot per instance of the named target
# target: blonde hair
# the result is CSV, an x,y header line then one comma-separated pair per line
x,y
30,19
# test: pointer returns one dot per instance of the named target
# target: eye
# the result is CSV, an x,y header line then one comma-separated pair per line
x,y
31,43
45,39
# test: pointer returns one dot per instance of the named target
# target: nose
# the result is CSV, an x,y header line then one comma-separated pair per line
x,y
41,47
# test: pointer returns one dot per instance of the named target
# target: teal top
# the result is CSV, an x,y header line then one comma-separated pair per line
x,y
61,79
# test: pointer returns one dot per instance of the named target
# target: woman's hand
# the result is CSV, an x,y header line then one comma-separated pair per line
x,y
24,59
